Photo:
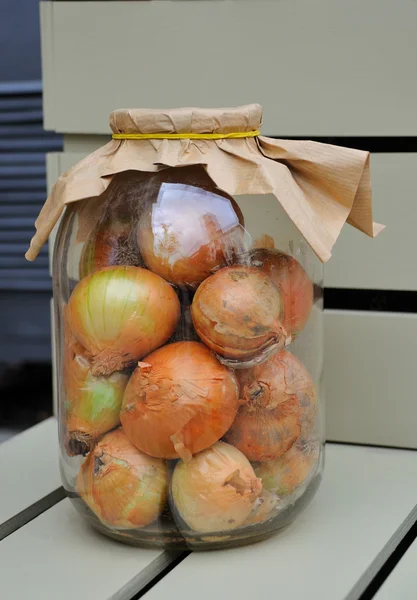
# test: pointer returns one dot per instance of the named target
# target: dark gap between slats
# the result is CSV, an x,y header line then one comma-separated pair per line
x,y
165,571
364,445
31,512
372,300
371,144
390,563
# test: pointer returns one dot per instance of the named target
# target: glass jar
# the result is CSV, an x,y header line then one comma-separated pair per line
x,y
188,307
189,334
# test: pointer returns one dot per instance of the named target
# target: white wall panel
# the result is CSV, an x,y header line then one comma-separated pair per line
x,y
370,377
327,67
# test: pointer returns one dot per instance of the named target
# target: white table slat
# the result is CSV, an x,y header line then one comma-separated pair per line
x,y
366,495
401,584
58,556
328,67
29,468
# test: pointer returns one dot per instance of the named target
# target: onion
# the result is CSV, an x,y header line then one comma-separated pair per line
x,y
279,403
178,402
110,244
283,475
112,240
216,490
92,404
120,314
237,312
293,283
190,229
122,486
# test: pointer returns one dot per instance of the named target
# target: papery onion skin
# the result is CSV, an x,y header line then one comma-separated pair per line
x,y
237,312
124,487
283,475
179,401
216,491
190,231
278,404
120,314
293,283
111,244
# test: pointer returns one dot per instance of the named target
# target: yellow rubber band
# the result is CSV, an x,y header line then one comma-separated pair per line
x,y
185,136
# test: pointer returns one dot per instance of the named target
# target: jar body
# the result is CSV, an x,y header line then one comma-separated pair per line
x,y
189,362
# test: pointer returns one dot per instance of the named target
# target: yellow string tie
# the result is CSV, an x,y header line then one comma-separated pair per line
x,y
185,136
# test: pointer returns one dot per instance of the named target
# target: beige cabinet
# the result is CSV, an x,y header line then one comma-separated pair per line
x,y
326,68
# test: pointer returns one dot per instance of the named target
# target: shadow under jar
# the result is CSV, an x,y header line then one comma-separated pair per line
x,y
189,357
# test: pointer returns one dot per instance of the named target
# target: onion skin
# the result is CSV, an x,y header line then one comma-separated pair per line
x,y
125,488
120,314
190,231
237,313
216,491
283,475
111,244
295,286
179,401
278,404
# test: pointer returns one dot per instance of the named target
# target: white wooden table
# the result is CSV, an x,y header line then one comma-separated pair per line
x,y
358,529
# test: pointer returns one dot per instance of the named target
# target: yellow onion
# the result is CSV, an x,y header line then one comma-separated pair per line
x,y
120,314
295,286
92,403
110,244
179,401
216,491
237,312
125,488
283,475
278,404
191,228
112,241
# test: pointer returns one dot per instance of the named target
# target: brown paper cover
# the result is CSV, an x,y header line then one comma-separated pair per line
x,y
319,186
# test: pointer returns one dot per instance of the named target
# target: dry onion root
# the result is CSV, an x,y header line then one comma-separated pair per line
x,y
125,488
216,491
278,403
238,313
120,314
283,475
295,286
179,401
190,231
